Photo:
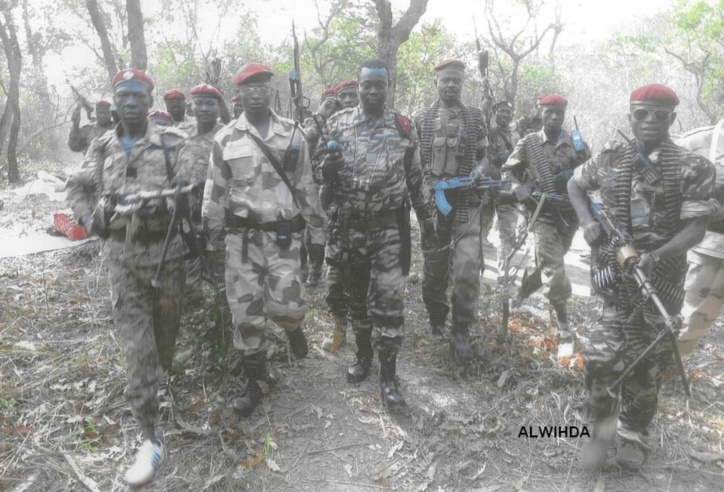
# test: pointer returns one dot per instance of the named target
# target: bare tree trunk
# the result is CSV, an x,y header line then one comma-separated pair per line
x,y
390,38
109,55
698,70
136,38
11,46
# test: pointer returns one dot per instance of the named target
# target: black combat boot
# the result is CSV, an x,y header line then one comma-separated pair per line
x,y
460,343
256,370
316,259
298,343
389,385
360,369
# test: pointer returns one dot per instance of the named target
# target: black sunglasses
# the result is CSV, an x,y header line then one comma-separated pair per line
x,y
657,114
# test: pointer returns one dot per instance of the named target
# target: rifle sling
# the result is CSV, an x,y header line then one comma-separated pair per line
x,y
275,164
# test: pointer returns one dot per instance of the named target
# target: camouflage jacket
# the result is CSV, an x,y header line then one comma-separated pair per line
x,y
648,202
502,142
243,182
560,154
382,165
193,162
146,166
80,138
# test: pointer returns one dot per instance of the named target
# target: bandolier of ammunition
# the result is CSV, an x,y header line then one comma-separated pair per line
x,y
473,121
538,157
668,276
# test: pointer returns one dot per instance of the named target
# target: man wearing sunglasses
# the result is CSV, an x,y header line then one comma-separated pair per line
x,y
261,192
544,161
665,216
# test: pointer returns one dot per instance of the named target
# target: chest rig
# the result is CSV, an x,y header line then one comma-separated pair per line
x,y
466,149
607,277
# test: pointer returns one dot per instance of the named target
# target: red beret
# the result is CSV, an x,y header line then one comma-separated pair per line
x,y
553,100
252,70
160,114
207,90
103,104
173,94
350,84
450,63
328,92
655,93
128,74
236,97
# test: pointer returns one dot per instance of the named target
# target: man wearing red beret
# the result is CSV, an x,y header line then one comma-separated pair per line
x,y
665,215
80,138
347,94
543,162
160,118
453,142
175,101
260,192
193,161
236,105
137,157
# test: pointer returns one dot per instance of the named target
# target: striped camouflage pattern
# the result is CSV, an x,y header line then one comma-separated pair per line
x,y
148,319
264,285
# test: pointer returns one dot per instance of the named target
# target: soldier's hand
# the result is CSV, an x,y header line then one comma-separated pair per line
x,y
522,193
333,162
647,263
328,107
477,174
75,117
592,232
428,236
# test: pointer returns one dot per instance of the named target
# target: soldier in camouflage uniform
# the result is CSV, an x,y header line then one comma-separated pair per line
x,y
261,190
193,161
160,118
136,157
502,140
372,176
665,217
347,96
453,142
80,138
555,226
175,102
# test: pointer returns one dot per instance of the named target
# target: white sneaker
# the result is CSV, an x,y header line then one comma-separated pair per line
x,y
148,460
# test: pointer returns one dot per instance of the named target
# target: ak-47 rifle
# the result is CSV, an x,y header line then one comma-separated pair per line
x,y
296,94
84,102
628,259
484,184
649,172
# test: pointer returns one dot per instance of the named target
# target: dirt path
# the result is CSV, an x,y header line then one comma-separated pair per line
x,y
64,424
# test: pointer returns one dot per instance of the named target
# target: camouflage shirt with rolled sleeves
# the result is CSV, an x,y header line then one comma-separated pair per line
x,y
560,154
80,139
648,206
382,165
448,127
108,167
243,181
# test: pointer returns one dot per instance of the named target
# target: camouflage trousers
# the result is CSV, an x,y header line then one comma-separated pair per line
x,y
507,221
459,242
148,321
553,234
617,336
703,301
371,271
262,281
336,298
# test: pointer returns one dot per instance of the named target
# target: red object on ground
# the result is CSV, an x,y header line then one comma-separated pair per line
x,y
67,226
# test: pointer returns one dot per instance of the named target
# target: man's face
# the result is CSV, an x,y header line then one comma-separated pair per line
x,y
177,108
552,117
373,87
132,101
255,96
650,122
449,85
205,109
503,116
103,115
348,98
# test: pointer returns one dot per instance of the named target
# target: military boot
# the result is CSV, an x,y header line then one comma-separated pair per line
x,y
602,411
389,385
256,370
360,369
339,335
630,454
298,342
460,343
316,259
567,341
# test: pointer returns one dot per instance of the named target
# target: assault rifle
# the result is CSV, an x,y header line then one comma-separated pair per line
x,y
486,183
296,94
628,259
83,101
650,173
508,197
